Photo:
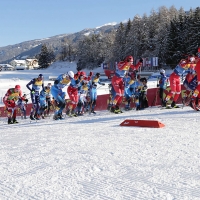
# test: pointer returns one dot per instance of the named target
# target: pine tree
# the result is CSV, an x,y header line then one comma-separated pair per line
x,y
63,53
172,49
193,32
119,43
46,57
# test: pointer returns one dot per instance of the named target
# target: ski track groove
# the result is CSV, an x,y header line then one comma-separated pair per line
x,y
168,189
32,171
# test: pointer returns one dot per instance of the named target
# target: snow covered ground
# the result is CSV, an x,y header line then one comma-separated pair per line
x,y
93,158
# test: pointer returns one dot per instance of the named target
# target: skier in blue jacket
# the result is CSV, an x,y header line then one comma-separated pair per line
x,y
162,84
37,85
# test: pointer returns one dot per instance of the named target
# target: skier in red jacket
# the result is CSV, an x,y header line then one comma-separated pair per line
x,y
11,96
195,99
118,82
175,81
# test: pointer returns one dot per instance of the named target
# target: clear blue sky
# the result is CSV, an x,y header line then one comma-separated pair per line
x,y
23,20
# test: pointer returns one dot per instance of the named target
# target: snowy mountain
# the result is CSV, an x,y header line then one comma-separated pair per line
x,y
32,47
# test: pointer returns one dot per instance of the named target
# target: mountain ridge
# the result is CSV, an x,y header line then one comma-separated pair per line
x,y
31,48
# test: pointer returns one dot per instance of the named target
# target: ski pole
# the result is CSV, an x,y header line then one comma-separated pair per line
x,y
100,86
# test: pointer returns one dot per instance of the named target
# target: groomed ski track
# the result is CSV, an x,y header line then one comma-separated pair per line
x,y
92,158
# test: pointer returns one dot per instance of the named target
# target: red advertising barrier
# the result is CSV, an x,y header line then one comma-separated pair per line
x,y
103,100
142,123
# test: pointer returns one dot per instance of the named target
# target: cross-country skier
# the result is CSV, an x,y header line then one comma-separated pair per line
x,y
11,96
93,91
22,103
195,99
82,95
112,95
37,86
143,94
117,80
162,84
59,96
175,82
128,91
190,82
72,91
48,98
136,87
43,102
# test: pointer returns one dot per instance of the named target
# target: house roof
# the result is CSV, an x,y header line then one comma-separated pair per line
x,y
18,61
6,66
29,59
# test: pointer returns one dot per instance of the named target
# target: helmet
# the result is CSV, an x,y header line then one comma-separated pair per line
x,y
98,74
40,76
78,73
133,75
75,76
162,71
17,87
192,59
129,59
85,79
70,74
182,63
82,73
91,73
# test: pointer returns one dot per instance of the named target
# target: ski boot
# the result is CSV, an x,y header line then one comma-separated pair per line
x,y
60,116
80,113
37,117
56,116
112,109
198,105
117,110
137,108
173,105
32,118
163,103
73,113
10,121
68,112
92,111
167,105
194,103
15,121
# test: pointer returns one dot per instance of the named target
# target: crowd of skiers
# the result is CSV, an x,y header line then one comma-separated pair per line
x,y
125,86
82,92
188,68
